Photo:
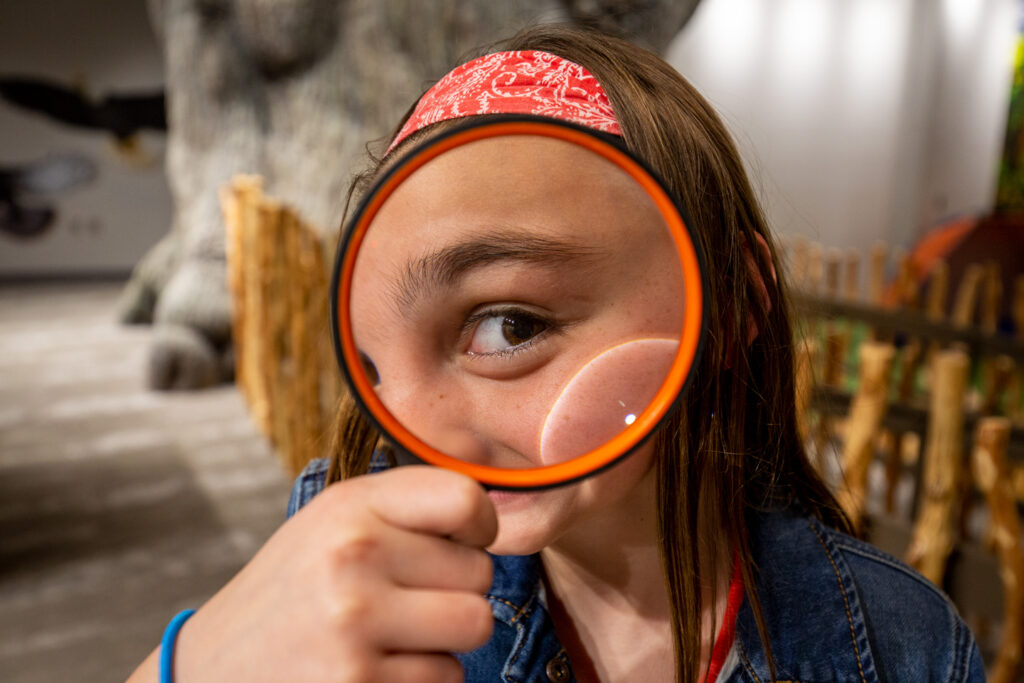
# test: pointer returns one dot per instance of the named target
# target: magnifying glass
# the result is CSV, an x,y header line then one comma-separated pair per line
x,y
518,299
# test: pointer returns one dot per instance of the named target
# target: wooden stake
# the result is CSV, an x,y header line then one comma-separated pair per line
x,y
851,276
866,412
278,283
815,268
998,374
836,333
912,357
935,308
799,263
910,363
832,260
907,294
966,300
835,351
992,475
888,441
876,289
805,354
245,254
933,535
815,282
991,297
889,446
938,288
1014,406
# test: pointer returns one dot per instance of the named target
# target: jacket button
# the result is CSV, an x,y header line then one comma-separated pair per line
x,y
558,670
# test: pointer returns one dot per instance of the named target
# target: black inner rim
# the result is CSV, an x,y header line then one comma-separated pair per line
x,y
412,154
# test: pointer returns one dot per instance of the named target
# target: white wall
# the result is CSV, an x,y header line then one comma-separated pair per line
x,y
107,47
859,120
971,103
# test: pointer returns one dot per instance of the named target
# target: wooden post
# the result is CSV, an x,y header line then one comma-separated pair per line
x,y
832,260
908,298
888,442
934,532
935,308
966,300
285,369
273,291
992,475
835,333
240,203
911,358
876,289
805,353
1014,405
991,297
998,374
910,363
851,276
799,262
907,295
866,413
938,288
834,351
815,268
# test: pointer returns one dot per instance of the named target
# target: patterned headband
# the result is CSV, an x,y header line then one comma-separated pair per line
x,y
523,82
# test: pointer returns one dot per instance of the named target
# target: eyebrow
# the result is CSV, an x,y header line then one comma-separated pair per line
x,y
445,267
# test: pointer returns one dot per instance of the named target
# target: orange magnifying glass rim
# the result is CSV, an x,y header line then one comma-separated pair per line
x,y
626,440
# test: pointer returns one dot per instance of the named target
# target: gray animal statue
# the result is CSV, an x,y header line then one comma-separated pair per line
x,y
292,90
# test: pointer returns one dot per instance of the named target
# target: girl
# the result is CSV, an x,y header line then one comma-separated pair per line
x,y
713,553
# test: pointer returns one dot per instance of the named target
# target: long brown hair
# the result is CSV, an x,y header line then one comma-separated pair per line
x,y
732,449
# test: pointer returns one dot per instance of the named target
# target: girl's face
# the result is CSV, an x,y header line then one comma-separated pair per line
x,y
487,283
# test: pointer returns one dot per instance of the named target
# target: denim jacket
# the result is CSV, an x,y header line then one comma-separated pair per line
x,y
836,609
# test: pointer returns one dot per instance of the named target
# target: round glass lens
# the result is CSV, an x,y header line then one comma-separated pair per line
x,y
518,300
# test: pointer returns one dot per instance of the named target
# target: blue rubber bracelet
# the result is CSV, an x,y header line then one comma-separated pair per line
x,y
167,645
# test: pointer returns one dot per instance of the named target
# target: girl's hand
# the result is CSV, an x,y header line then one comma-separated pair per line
x,y
377,579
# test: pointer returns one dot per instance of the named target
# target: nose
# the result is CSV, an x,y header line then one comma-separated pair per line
x,y
439,415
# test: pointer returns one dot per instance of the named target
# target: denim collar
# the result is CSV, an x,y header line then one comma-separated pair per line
x,y
810,604
808,597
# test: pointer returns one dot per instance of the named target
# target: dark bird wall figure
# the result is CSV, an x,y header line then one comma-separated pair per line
x,y
120,115
25,191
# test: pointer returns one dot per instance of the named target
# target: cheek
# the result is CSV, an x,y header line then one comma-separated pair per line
x,y
605,397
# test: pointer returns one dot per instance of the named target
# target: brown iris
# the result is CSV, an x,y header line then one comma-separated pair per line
x,y
518,329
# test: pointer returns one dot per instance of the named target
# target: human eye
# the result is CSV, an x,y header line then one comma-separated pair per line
x,y
504,331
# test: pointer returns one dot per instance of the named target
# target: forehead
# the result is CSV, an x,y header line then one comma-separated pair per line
x,y
516,182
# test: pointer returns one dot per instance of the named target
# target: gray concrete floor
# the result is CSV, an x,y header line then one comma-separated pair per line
x,y
118,506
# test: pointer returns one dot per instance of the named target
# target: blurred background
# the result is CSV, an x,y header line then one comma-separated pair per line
x,y
172,175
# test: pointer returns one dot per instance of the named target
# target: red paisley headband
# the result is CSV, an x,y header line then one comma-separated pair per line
x,y
522,82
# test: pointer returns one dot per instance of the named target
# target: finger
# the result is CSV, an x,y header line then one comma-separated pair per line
x,y
416,560
419,668
436,501
432,621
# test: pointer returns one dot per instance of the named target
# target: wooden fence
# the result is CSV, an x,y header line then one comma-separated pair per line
x,y
911,404
284,364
